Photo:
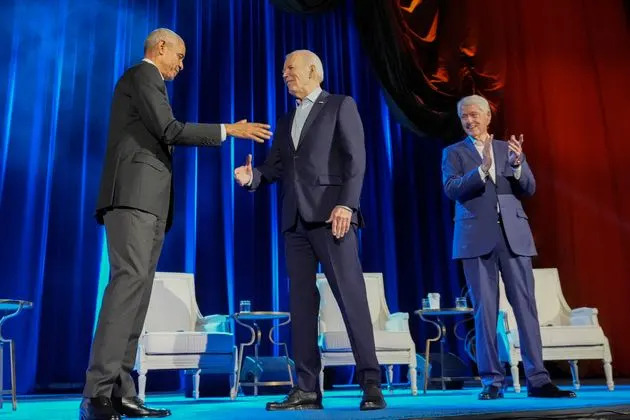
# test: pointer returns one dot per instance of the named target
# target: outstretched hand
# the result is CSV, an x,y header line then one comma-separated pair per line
x,y
244,174
253,131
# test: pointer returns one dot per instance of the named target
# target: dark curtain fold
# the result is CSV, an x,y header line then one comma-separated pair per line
x,y
429,53
306,6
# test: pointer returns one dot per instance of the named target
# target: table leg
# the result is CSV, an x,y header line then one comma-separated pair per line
x,y
427,351
241,352
1,370
442,340
258,335
11,351
13,384
286,350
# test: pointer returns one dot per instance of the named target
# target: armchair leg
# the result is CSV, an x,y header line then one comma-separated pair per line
x,y
390,377
13,384
196,378
515,376
321,381
575,373
609,376
142,384
413,379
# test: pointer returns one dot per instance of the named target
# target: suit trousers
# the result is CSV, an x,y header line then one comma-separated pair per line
x,y
134,244
306,245
482,276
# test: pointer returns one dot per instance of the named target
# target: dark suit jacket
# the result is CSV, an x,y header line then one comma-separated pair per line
x,y
327,167
142,130
476,201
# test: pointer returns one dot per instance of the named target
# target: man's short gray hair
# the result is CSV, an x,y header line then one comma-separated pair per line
x,y
311,59
160,34
480,101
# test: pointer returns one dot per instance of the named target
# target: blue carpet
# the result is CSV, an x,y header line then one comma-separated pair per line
x,y
339,405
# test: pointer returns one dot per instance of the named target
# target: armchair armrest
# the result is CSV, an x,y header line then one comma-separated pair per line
x,y
321,326
213,323
584,316
397,322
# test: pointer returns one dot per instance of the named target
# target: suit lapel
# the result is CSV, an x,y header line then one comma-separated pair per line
x,y
472,150
317,107
500,157
289,127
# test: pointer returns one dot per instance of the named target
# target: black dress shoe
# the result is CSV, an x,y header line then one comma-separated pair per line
x,y
549,390
491,392
97,408
298,400
372,398
134,407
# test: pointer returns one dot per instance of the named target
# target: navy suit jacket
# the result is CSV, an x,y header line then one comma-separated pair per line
x,y
327,167
476,201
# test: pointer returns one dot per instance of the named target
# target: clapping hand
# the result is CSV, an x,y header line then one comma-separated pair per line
x,y
486,154
515,154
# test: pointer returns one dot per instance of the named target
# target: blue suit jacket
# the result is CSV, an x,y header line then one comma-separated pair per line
x,y
476,201
326,169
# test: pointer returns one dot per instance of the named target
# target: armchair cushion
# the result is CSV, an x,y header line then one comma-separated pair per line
x,y
213,323
384,340
190,342
568,336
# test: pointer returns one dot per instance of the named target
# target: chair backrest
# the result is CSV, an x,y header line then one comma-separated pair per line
x,y
330,314
550,303
173,306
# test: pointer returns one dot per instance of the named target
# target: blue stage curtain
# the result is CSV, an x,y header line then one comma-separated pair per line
x,y
60,62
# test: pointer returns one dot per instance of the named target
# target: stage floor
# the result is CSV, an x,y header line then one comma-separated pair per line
x,y
344,405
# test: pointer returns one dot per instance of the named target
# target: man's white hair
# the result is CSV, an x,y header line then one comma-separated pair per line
x,y
160,34
311,59
480,101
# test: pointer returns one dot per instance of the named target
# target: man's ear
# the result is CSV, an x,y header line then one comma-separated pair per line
x,y
162,47
312,72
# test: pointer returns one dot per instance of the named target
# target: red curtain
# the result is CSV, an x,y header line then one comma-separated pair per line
x,y
567,89
558,72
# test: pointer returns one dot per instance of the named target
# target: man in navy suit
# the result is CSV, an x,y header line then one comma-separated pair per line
x,y
319,156
486,179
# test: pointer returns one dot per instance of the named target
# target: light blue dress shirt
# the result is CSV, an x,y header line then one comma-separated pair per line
x,y
301,114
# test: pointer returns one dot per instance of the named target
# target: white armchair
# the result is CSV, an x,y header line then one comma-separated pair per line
x,y
567,334
394,345
176,336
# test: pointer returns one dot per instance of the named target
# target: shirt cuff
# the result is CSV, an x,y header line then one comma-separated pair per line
x,y
482,174
223,132
345,207
517,171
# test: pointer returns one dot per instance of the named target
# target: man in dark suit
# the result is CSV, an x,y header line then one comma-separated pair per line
x,y
136,205
319,156
486,179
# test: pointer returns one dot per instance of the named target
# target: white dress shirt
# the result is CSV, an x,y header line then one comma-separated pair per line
x,y
492,172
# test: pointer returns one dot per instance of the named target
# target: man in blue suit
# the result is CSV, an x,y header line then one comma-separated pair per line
x,y
319,156
486,179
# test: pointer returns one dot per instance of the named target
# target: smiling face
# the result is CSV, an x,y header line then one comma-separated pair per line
x,y
170,57
299,75
474,121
